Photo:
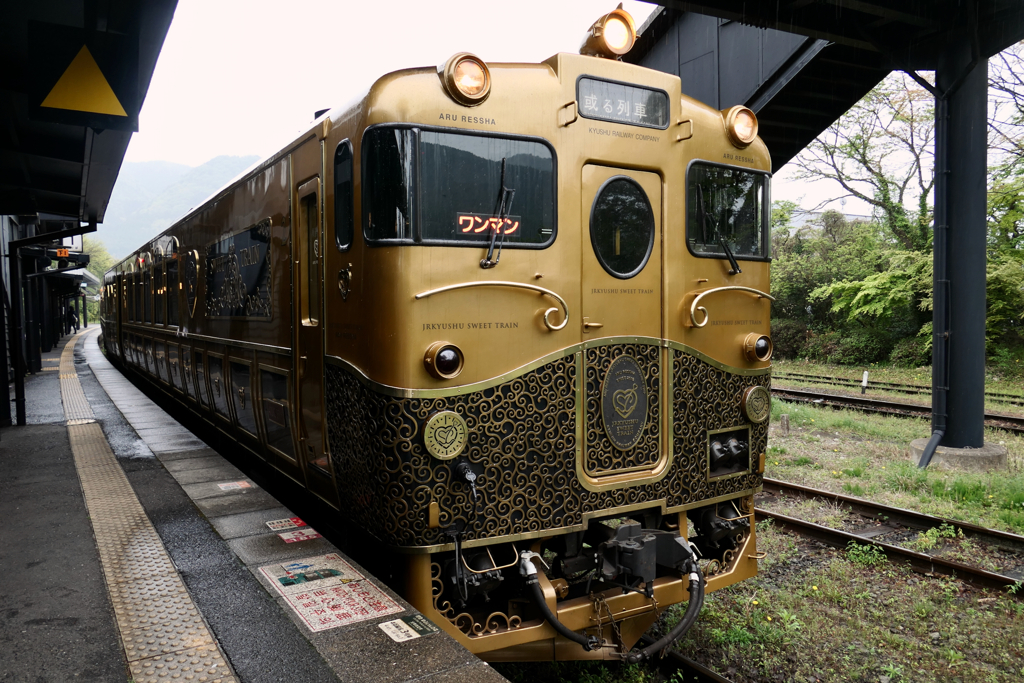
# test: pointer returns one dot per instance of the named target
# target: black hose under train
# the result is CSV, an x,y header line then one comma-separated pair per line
x,y
588,642
692,610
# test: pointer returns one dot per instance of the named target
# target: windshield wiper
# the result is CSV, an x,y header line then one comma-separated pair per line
x,y
732,259
703,209
501,211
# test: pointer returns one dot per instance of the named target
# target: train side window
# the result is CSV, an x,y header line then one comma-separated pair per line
x,y
218,386
388,166
160,292
309,248
147,294
137,281
129,297
202,391
187,383
343,217
276,410
173,366
172,289
242,394
727,211
160,360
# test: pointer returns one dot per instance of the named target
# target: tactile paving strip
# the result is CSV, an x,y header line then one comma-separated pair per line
x,y
164,636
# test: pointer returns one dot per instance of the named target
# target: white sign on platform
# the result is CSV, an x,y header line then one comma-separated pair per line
x,y
300,535
282,524
408,628
327,592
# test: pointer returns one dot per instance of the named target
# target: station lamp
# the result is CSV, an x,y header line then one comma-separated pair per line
x,y
611,36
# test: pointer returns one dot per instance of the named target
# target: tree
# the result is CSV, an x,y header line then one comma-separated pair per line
x,y
881,152
100,261
1006,104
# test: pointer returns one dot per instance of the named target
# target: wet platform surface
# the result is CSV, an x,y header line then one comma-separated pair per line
x,y
134,551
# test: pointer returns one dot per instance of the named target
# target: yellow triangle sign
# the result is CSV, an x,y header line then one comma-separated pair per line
x,y
84,88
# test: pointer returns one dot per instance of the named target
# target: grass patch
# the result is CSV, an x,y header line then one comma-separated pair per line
x,y
868,455
828,616
865,554
854,489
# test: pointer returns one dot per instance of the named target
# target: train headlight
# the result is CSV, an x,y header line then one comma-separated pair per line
x,y
610,36
443,360
758,347
466,79
741,125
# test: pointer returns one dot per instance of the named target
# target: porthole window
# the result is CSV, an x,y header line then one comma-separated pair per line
x,y
622,227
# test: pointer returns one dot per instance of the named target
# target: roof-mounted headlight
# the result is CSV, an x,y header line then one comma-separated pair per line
x,y
466,79
611,36
741,125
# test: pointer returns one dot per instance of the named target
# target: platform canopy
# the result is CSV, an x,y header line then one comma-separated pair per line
x,y
74,77
814,59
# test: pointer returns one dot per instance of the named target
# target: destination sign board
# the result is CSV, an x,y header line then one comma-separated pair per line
x,y
622,103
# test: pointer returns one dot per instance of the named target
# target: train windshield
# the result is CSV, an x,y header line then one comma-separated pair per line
x,y
434,187
726,211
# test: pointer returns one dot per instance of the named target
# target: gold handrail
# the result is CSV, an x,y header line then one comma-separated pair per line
x,y
694,307
501,283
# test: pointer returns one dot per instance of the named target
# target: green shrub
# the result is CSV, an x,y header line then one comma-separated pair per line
x,y
911,352
788,337
867,555
821,347
1007,362
858,347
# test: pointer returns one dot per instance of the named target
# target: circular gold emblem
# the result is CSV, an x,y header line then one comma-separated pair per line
x,y
757,404
445,435
624,403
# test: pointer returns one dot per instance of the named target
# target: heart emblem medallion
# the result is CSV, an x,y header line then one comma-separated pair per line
x,y
624,401
446,435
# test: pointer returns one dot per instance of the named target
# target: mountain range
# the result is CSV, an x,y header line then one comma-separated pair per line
x,y
150,195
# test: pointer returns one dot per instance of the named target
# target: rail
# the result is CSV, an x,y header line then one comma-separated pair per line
x,y
677,667
895,387
1011,423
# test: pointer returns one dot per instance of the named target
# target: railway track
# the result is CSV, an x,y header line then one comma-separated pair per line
x,y
1010,423
677,667
895,387
880,520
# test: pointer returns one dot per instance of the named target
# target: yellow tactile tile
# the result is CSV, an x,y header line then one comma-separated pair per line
x,y
163,633
201,664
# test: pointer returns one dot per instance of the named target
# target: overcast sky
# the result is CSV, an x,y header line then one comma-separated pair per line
x,y
243,78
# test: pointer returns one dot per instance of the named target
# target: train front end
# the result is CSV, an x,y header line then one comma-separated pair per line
x,y
547,364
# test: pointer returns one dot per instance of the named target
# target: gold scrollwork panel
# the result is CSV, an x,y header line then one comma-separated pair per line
x,y
522,439
602,457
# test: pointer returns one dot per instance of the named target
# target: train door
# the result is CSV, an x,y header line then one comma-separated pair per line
x,y
308,348
621,253
621,300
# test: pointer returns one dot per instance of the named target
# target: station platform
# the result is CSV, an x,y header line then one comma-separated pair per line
x,y
133,551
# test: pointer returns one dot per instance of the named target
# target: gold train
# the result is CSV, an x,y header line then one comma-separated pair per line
x,y
509,319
